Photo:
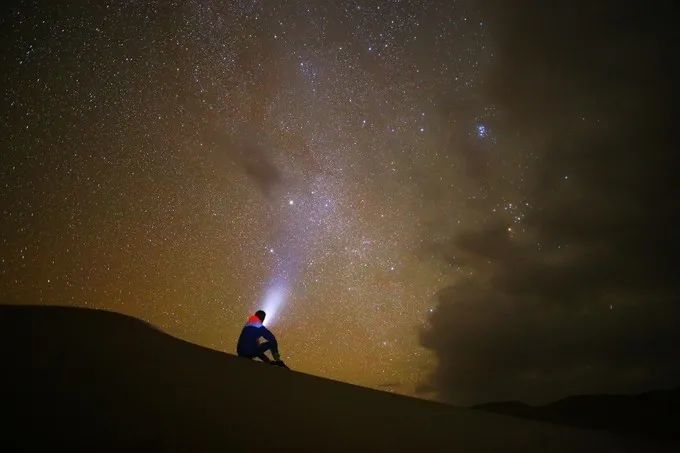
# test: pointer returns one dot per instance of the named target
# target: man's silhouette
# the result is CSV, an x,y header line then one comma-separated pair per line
x,y
249,344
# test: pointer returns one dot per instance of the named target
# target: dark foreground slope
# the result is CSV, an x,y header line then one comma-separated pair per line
x,y
654,414
103,381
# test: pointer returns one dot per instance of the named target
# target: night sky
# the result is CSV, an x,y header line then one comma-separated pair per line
x,y
460,200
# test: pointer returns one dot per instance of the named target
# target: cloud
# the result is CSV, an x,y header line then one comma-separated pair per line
x,y
250,154
582,295
259,168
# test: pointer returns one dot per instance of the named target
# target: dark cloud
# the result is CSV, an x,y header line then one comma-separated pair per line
x,y
582,294
250,154
259,168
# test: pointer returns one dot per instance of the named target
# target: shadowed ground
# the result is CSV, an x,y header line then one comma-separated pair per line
x,y
100,380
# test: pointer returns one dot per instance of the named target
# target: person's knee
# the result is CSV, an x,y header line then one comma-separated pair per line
x,y
267,346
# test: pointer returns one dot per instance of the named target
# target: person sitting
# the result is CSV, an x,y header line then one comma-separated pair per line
x,y
249,345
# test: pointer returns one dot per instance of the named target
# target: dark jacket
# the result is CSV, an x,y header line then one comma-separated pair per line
x,y
248,341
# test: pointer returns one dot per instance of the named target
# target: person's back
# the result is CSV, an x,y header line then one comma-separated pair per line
x,y
248,341
249,345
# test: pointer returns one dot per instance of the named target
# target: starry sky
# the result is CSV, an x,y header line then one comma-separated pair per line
x,y
450,199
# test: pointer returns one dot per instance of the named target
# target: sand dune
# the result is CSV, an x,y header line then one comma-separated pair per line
x,y
104,381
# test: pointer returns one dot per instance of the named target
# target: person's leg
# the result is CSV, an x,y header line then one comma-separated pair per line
x,y
262,348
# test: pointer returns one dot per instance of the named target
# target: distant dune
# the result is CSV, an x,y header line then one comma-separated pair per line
x,y
96,380
654,415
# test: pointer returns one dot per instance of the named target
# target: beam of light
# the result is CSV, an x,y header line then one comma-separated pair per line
x,y
284,273
305,224
273,300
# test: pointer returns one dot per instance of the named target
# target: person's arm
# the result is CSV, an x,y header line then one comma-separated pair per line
x,y
267,335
